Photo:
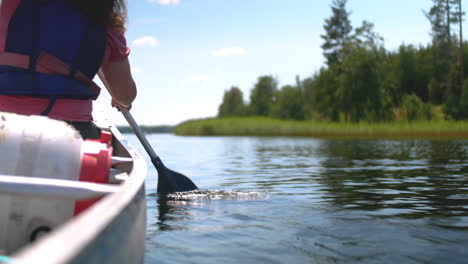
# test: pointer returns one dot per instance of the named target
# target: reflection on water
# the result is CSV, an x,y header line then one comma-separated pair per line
x,y
409,179
293,200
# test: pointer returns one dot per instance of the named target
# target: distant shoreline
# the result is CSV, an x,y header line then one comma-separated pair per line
x,y
148,129
260,126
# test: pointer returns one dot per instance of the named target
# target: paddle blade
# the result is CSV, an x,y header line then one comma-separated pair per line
x,y
170,181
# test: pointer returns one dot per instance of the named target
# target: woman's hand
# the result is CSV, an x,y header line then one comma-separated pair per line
x,y
121,107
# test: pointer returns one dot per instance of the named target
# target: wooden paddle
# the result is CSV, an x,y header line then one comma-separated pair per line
x,y
169,181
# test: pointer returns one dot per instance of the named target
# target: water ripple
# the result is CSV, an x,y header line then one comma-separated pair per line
x,y
293,200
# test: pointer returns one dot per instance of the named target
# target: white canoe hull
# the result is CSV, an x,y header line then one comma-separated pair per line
x,y
111,231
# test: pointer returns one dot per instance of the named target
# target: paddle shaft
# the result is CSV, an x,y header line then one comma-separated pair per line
x,y
133,124
168,180
140,135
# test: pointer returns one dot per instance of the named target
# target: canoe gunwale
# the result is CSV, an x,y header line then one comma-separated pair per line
x,y
53,188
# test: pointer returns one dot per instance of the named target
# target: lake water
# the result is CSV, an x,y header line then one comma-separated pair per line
x,y
302,200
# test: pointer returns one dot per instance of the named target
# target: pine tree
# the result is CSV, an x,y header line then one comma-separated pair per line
x,y
437,18
458,15
338,29
441,16
449,68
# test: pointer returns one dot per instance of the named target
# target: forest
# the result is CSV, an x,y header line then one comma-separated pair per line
x,y
363,82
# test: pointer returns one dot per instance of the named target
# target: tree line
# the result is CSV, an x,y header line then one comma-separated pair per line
x,y
362,81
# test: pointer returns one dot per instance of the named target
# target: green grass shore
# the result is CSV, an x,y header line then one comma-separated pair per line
x,y
260,126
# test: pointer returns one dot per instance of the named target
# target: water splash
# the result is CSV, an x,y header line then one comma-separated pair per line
x,y
212,195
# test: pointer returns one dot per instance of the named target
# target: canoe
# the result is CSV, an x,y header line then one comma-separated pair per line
x,y
111,228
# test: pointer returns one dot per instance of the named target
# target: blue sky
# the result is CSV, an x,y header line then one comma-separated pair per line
x,y
186,53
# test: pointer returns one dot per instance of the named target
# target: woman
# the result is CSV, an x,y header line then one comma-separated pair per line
x,y
50,50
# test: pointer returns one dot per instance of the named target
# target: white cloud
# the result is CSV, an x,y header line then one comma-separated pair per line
x,y
165,2
145,41
196,79
228,52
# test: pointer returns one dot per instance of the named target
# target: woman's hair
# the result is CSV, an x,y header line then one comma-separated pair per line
x,y
109,12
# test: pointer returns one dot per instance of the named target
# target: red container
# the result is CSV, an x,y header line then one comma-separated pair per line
x,y
96,162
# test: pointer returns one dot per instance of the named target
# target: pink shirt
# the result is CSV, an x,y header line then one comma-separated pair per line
x,y
64,109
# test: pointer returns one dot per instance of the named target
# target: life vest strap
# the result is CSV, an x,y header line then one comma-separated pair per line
x,y
48,64
14,59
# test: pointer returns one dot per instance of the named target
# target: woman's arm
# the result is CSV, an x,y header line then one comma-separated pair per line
x,y
118,80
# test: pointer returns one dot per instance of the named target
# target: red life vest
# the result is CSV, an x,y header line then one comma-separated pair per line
x,y
45,37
